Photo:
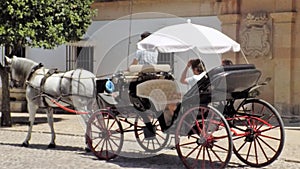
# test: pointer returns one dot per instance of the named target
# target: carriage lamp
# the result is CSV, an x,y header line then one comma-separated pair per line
x,y
109,86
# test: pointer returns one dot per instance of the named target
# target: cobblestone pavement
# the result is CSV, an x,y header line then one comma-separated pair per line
x,y
70,153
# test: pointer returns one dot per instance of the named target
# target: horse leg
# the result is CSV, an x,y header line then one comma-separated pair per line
x,y
90,110
50,122
32,108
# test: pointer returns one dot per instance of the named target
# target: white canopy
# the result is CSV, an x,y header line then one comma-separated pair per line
x,y
187,36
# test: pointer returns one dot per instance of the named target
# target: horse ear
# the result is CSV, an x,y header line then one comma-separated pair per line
x,y
8,60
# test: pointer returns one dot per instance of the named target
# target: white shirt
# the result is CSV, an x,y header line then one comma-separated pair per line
x,y
146,57
195,78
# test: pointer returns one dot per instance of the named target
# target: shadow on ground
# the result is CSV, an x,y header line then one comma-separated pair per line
x,y
23,120
45,147
166,161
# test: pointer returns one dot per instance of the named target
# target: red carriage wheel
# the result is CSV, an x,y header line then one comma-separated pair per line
x,y
262,139
104,135
150,137
203,138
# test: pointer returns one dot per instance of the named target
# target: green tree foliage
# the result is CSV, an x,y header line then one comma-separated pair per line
x,y
43,23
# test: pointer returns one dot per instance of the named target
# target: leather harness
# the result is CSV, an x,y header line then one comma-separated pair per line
x,y
43,81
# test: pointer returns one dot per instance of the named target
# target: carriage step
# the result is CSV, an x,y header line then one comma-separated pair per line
x,y
149,132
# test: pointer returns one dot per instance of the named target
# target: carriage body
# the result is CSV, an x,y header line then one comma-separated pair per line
x,y
221,107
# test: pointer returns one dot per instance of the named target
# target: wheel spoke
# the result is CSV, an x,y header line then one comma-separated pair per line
x,y
94,124
268,129
158,142
210,159
185,144
267,144
109,128
262,149
215,145
216,155
241,146
193,151
255,150
203,163
269,137
271,116
196,159
159,135
248,153
237,138
113,141
111,147
98,144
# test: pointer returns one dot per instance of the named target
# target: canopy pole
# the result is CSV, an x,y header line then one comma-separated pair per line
x,y
129,31
244,56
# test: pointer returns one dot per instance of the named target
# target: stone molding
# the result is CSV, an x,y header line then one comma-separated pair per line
x,y
255,35
283,17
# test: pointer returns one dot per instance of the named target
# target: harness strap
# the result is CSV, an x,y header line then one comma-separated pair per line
x,y
34,68
42,89
60,84
71,79
79,80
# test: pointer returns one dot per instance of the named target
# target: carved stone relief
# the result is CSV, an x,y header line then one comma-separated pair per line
x,y
256,35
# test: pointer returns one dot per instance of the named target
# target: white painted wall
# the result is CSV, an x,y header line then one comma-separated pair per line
x,y
54,58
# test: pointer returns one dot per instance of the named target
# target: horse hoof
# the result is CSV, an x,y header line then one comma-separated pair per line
x,y
51,145
87,149
25,144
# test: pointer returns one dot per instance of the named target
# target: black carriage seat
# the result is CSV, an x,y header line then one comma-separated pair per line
x,y
224,81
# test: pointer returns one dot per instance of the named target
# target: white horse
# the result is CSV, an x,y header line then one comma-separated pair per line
x,y
75,88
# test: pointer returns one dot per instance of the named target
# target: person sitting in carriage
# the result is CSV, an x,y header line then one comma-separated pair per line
x,y
145,57
226,62
198,69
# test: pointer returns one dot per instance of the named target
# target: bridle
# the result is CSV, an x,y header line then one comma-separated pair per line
x,y
16,83
12,82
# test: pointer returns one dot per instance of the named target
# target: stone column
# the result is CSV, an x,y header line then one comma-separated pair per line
x,y
283,24
230,26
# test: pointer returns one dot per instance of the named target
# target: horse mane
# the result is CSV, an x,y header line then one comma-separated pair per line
x,y
22,67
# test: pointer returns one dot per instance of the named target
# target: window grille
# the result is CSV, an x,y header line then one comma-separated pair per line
x,y
80,57
166,58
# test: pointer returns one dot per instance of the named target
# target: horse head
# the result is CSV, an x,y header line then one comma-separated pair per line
x,y
19,70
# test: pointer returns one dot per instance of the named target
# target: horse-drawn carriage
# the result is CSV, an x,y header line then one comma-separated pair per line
x,y
211,120
217,116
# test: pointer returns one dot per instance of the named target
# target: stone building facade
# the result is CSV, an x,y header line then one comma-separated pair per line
x,y
266,29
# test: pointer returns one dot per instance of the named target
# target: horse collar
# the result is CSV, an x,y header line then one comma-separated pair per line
x,y
36,67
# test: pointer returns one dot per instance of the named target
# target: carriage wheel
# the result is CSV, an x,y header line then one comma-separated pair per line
x,y
263,137
104,135
151,138
203,138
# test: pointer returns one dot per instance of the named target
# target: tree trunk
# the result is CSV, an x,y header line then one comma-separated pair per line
x,y
5,108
